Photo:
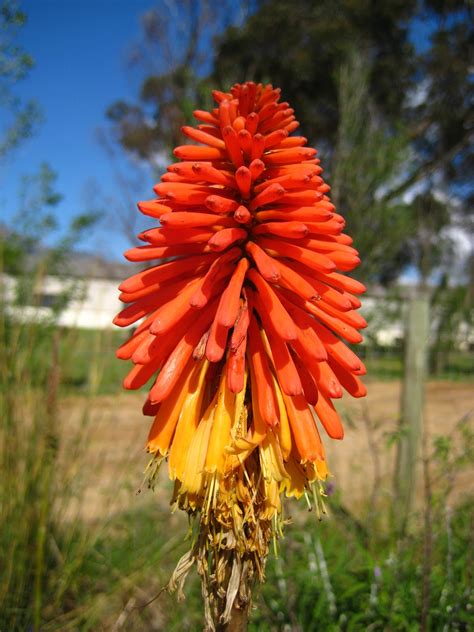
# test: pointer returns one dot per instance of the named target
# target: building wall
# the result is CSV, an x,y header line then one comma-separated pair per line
x,y
95,308
93,305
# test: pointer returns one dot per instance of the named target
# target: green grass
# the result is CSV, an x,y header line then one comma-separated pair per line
x,y
387,364
83,349
129,561
88,361
331,577
327,576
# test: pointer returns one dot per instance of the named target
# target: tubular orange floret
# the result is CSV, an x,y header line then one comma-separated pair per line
x,y
242,215
166,237
277,314
244,329
267,266
216,343
221,205
230,299
166,271
278,351
243,320
243,177
313,260
209,173
304,429
207,283
301,214
196,152
203,137
178,358
153,208
150,253
194,220
310,390
290,230
260,367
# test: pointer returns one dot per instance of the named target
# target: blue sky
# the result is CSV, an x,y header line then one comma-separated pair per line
x,y
80,49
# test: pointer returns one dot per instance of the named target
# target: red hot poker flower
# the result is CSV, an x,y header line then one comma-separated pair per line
x,y
243,328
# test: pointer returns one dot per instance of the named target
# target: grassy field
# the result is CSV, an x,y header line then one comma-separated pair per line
x,y
84,546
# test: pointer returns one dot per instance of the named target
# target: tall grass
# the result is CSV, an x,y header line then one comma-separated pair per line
x,y
43,543
327,578
34,486
59,571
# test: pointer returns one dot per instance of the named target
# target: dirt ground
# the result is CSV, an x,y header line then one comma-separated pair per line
x,y
113,458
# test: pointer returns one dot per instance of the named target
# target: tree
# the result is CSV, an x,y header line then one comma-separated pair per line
x,y
300,46
420,96
21,239
20,119
176,55
368,154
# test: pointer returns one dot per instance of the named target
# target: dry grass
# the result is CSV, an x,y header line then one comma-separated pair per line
x,y
114,459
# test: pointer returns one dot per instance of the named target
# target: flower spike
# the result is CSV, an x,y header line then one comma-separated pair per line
x,y
244,310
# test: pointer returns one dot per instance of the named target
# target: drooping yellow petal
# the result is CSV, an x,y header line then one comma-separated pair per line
x,y
193,474
244,446
220,436
164,425
322,469
271,459
295,482
188,422
272,502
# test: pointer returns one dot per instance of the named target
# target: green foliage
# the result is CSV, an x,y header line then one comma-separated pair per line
x,y
452,311
30,253
57,572
385,114
369,154
301,45
329,579
33,222
387,364
170,99
326,576
19,120
63,573
89,362
39,561
176,53
31,495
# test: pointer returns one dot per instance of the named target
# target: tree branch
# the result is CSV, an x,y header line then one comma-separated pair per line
x,y
427,168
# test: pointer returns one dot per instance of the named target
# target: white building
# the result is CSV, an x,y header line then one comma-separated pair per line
x,y
91,284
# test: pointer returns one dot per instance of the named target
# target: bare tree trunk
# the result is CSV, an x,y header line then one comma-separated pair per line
x,y
412,402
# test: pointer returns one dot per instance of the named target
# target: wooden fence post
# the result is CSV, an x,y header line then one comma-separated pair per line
x,y
417,327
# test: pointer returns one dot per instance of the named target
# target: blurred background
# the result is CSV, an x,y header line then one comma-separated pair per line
x,y
92,98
